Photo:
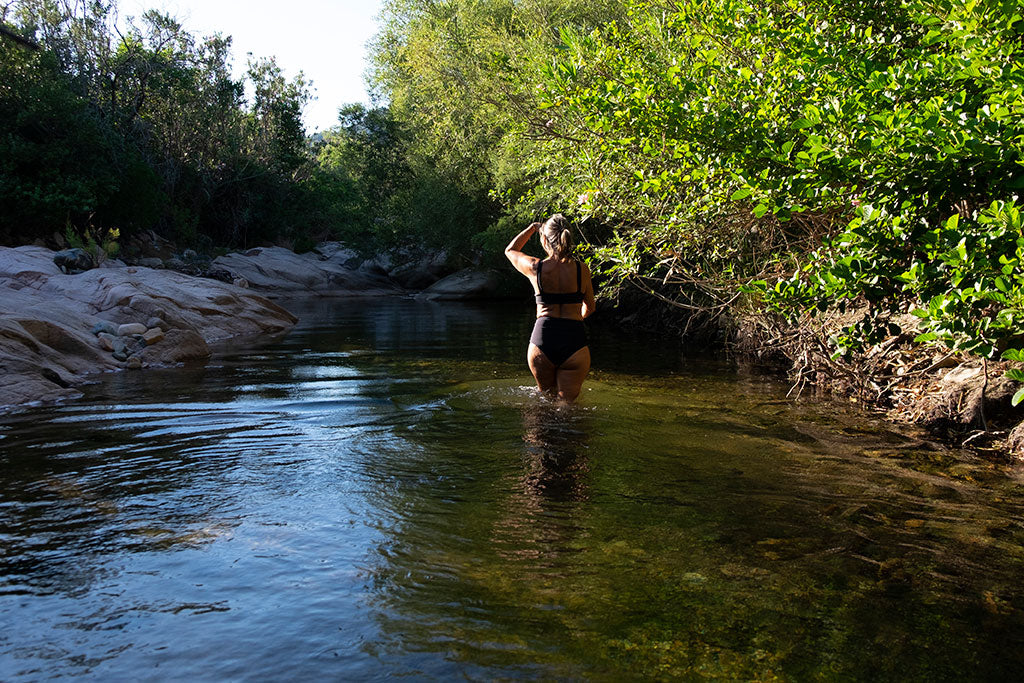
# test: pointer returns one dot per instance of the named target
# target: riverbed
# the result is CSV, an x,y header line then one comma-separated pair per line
x,y
381,492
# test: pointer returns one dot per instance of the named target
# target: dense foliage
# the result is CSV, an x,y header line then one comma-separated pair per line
x,y
796,158
114,126
791,156
138,125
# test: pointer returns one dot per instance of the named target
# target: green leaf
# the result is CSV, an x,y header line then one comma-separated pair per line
x,y
1018,397
741,193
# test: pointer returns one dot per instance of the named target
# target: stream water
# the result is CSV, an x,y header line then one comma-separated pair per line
x,y
380,493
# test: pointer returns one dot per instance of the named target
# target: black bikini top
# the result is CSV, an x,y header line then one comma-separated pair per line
x,y
549,298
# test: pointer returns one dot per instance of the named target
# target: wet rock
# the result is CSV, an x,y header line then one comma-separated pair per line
x,y
177,346
73,261
240,282
131,328
52,376
134,363
120,355
153,336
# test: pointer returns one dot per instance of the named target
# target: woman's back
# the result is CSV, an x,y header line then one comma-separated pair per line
x,y
558,285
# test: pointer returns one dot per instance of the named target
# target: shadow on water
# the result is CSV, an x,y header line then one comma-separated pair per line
x,y
382,493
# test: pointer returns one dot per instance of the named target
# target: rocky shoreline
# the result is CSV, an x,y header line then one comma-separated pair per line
x,y
58,327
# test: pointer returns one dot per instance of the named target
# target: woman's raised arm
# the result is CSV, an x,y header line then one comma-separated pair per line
x,y
514,250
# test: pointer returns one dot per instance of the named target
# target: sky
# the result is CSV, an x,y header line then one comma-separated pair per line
x,y
324,39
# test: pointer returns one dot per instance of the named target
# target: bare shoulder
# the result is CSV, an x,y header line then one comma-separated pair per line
x,y
524,263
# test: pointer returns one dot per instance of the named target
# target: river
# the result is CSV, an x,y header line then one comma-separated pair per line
x,y
380,493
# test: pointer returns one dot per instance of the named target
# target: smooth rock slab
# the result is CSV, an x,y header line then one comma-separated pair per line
x,y
277,270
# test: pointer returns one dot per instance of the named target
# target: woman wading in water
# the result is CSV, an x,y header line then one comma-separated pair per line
x,y
558,353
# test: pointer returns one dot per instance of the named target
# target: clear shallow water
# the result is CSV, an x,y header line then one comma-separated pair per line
x,y
380,493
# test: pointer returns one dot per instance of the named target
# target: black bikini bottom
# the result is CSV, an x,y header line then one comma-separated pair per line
x,y
559,338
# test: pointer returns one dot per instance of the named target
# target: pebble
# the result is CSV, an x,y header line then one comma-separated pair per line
x,y
135,363
156,322
120,355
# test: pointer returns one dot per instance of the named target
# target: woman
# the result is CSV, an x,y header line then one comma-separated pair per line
x,y
558,354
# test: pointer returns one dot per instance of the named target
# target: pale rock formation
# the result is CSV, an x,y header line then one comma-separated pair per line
x,y
281,272
49,321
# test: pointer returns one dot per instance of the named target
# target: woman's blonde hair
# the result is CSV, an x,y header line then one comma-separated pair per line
x,y
557,235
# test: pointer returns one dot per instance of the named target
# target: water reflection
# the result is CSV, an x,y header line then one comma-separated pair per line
x,y
556,443
380,494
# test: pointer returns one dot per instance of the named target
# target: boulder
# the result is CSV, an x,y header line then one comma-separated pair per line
x,y
421,272
465,284
50,322
177,346
153,336
149,262
72,261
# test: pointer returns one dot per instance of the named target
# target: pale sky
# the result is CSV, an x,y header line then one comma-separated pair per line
x,y
324,39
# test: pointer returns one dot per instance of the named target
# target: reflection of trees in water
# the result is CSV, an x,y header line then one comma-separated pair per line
x,y
537,519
